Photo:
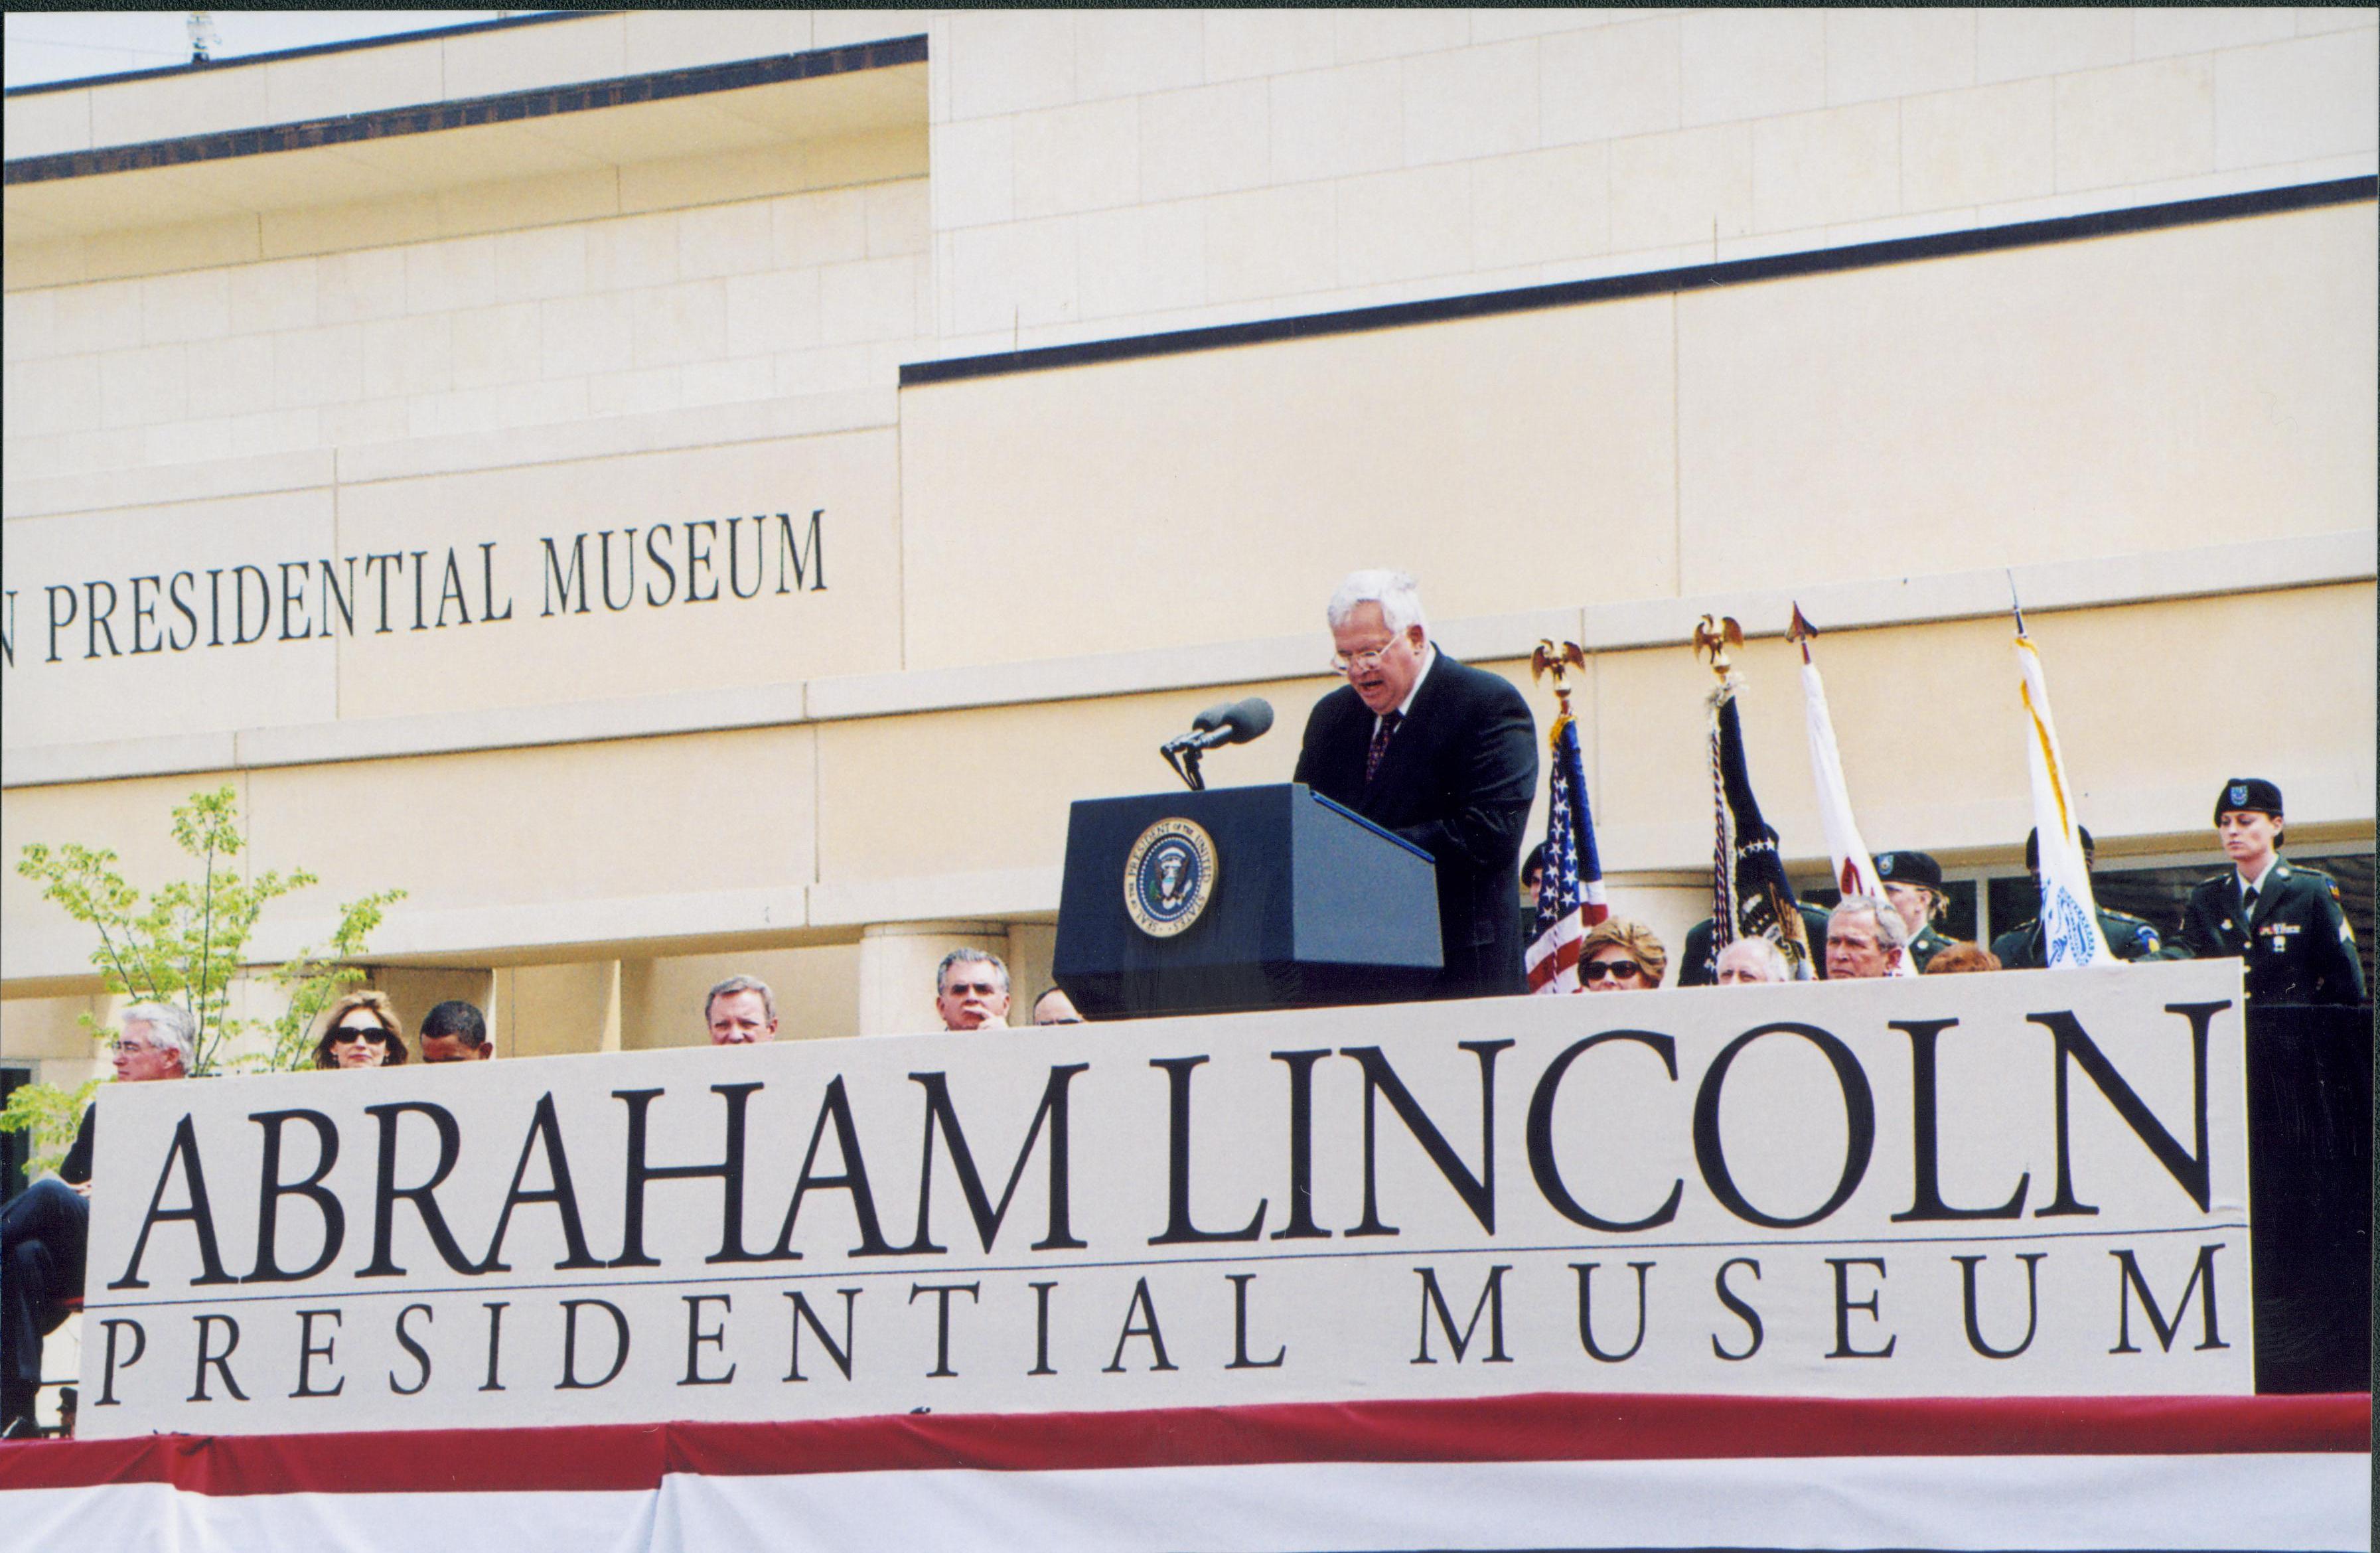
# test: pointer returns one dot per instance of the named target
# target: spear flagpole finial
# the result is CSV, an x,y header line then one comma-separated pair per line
x,y
2015,607
1800,632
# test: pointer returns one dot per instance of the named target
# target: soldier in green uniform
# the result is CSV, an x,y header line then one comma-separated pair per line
x,y
2284,920
1913,883
2020,949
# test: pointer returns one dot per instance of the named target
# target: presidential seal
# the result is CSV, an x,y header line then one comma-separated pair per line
x,y
1170,877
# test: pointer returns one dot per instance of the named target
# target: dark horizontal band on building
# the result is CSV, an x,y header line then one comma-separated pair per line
x,y
506,107
1695,277
305,51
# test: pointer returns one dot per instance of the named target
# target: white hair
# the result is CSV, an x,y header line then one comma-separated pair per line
x,y
1891,931
968,956
170,1024
1764,950
1397,593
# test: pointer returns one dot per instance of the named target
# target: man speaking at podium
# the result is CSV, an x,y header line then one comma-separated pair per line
x,y
1443,755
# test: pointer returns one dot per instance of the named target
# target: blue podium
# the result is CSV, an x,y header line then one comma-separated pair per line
x,y
1240,898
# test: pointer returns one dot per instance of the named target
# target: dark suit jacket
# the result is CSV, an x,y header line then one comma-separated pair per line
x,y
1457,782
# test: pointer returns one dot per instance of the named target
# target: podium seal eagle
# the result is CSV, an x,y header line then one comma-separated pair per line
x,y
1170,877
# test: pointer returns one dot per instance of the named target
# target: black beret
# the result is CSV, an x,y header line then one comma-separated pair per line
x,y
2247,793
1908,867
2032,847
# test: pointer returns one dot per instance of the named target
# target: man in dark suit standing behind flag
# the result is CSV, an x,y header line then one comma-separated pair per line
x,y
1442,754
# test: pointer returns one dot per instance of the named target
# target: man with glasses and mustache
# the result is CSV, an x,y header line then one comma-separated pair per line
x,y
1442,754
971,990
43,1231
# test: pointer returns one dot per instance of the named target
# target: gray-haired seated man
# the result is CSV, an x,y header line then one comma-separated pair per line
x,y
44,1230
1865,937
971,990
740,1011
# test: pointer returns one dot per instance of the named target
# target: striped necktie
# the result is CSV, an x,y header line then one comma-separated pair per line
x,y
1381,737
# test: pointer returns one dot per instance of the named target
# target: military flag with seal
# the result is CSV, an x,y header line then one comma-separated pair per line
x,y
1570,896
2070,915
1750,895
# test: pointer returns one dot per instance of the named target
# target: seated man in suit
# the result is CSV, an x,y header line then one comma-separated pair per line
x,y
43,1231
1865,937
1442,754
971,990
740,1010
1694,965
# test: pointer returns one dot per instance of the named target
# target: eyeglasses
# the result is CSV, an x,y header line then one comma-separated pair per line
x,y
371,1033
132,1048
980,988
1609,970
1363,661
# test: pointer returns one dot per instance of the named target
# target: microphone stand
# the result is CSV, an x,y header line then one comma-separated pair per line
x,y
1184,755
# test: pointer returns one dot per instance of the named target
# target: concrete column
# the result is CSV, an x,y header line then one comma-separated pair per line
x,y
551,1009
1033,945
896,971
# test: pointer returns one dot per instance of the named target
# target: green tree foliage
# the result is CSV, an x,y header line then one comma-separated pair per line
x,y
187,945
51,1114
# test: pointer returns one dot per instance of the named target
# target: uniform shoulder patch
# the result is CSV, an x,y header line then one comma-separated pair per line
x,y
2312,876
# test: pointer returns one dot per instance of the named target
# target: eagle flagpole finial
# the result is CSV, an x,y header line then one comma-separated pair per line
x,y
1713,636
1558,661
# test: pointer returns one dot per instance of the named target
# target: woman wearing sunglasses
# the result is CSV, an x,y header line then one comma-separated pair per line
x,y
1621,954
360,1031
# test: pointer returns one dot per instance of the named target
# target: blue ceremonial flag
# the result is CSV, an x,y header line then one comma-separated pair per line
x,y
1569,895
1750,896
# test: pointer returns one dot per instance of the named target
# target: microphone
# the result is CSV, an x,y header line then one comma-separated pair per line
x,y
1226,722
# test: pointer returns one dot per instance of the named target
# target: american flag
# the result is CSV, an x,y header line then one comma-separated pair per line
x,y
1570,894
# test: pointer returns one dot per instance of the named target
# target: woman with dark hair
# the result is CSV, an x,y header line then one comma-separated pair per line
x,y
360,1030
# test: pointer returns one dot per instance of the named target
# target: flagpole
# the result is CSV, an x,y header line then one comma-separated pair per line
x,y
1569,887
2069,911
1854,866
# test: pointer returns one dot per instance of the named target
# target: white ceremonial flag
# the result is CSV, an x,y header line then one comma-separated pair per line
x,y
1854,866
2070,917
